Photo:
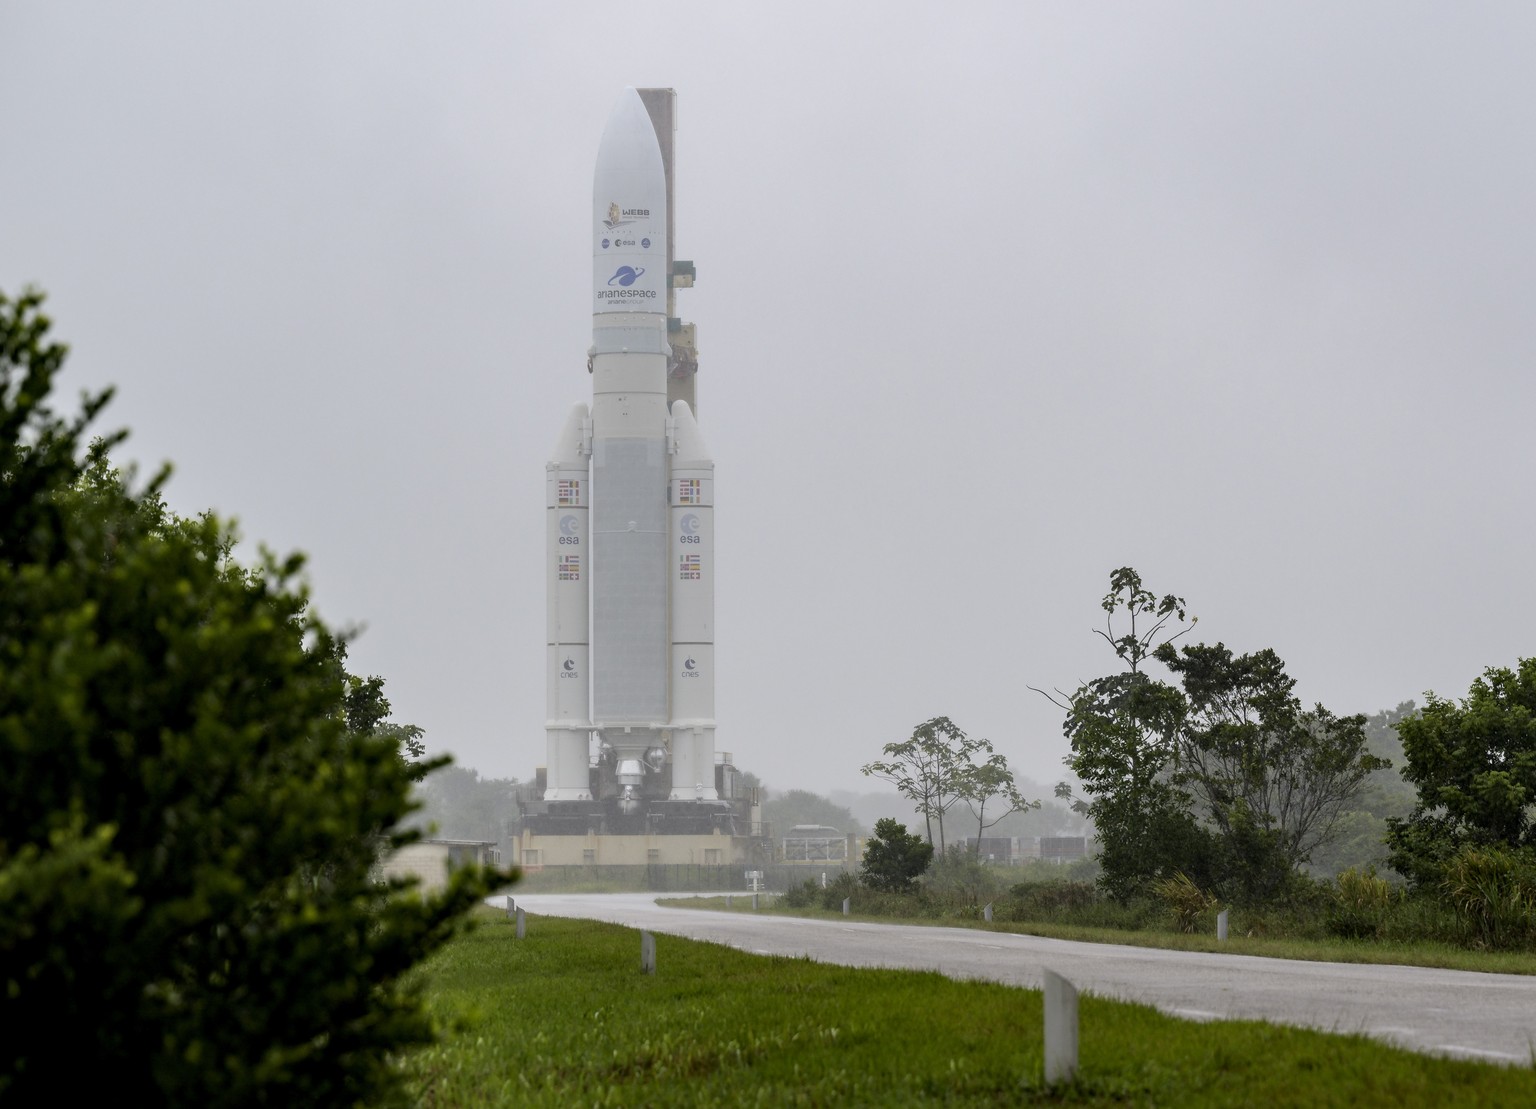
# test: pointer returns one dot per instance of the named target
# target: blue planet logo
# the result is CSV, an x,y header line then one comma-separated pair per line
x,y
567,525
689,524
605,244
626,276
646,243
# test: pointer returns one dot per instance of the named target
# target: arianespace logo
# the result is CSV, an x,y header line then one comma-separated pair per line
x,y
618,217
621,286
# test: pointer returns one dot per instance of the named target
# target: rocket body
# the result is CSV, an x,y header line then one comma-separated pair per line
x,y
630,564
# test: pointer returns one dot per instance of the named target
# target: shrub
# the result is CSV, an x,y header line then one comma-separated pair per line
x,y
832,895
894,858
188,822
1185,900
802,896
1361,902
1494,894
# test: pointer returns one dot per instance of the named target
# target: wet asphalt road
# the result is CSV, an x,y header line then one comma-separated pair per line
x,y
1466,1014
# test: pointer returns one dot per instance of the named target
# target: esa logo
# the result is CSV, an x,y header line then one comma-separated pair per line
x,y
568,536
690,526
568,669
690,668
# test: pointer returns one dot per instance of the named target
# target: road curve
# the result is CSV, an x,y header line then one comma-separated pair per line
x,y
1466,1014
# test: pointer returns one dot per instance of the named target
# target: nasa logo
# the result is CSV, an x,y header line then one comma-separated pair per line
x,y
646,243
626,276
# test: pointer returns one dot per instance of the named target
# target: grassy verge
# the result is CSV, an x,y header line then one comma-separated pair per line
x,y
564,1018
1321,950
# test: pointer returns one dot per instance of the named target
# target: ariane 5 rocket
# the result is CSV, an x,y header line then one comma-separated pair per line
x,y
630,531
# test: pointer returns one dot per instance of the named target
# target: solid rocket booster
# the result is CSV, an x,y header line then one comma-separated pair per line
x,y
630,496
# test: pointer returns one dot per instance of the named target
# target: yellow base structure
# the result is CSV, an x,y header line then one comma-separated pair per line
x,y
592,849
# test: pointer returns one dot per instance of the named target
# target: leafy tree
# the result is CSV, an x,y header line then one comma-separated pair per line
x,y
187,821
1123,729
1359,840
1474,767
1227,778
931,768
367,713
894,858
1269,776
982,782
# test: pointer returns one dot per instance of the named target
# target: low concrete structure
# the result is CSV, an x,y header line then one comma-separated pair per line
x,y
431,860
713,849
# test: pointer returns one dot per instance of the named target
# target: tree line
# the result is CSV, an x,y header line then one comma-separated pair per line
x,y
1220,775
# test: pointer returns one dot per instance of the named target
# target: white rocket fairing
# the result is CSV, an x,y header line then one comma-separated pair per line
x,y
630,497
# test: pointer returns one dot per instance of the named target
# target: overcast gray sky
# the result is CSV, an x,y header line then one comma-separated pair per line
x,y
991,301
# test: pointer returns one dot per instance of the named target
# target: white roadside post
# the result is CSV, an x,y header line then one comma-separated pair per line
x,y
1221,926
511,906
647,953
986,913
1060,1029
847,906
522,924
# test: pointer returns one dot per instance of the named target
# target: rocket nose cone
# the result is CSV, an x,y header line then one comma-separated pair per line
x,y
629,217
629,139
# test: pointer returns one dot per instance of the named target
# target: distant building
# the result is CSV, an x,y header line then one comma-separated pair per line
x,y
814,843
431,860
1017,850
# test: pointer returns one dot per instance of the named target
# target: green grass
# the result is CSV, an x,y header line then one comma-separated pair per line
x,y
565,1018
1424,953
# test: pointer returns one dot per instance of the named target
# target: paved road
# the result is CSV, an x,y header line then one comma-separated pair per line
x,y
1448,1012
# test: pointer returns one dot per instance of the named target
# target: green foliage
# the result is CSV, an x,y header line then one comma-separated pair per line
x,y
811,894
960,877
1474,767
1494,894
894,858
1227,779
1123,729
1361,902
938,768
1269,776
188,824
929,768
1188,903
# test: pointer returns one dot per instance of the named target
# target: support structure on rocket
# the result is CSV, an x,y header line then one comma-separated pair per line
x,y
630,528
